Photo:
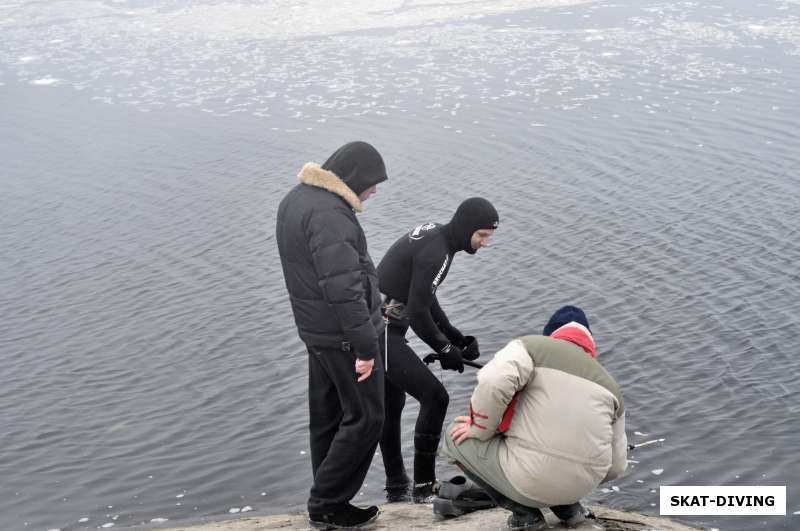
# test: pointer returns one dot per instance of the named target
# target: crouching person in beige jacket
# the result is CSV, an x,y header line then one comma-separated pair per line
x,y
546,424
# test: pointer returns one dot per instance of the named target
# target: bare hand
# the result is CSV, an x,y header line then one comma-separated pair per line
x,y
462,429
364,368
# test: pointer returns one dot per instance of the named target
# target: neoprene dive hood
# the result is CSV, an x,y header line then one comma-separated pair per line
x,y
473,214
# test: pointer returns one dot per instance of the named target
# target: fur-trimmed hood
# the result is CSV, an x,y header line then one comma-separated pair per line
x,y
313,175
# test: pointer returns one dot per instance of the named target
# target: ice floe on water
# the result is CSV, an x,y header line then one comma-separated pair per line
x,y
321,17
45,81
230,58
784,30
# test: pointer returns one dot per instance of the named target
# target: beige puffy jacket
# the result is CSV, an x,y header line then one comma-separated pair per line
x,y
567,432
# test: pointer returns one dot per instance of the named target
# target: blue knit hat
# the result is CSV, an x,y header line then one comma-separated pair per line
x,y
564,315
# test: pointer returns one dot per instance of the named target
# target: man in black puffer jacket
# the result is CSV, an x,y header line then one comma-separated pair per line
x,y
333,289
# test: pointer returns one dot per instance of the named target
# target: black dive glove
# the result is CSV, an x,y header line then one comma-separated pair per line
x,y
469,348
450,358
467,344
454,335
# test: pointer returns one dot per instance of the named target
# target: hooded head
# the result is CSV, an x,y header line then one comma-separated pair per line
x,y
564,315
358,165
475,213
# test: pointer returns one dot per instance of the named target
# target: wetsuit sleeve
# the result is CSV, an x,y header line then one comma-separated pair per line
x,y
333,238
453,334
421,298
619,450
498,381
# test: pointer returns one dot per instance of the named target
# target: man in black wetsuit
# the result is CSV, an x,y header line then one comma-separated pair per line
x,y
408,276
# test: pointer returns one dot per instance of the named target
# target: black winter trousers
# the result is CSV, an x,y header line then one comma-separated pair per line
x,y
345,422
408,374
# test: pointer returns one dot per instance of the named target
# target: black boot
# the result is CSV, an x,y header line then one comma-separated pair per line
x,y
529,520
522,516
571,515
342,516
397,489
425,446
424,492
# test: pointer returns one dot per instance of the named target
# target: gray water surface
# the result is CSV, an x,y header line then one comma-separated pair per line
x,y
643,157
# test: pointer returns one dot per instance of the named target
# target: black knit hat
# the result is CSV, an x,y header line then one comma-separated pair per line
x,y
473,214
358,164
564,315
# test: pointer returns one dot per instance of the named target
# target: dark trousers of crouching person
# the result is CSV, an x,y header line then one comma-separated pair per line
x,y
480,462
345,423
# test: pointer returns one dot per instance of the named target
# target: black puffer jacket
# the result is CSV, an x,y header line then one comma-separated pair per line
x,y
331,279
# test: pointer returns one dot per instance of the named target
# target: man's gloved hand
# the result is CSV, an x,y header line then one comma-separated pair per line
x,y
469,348
450,358
454,335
